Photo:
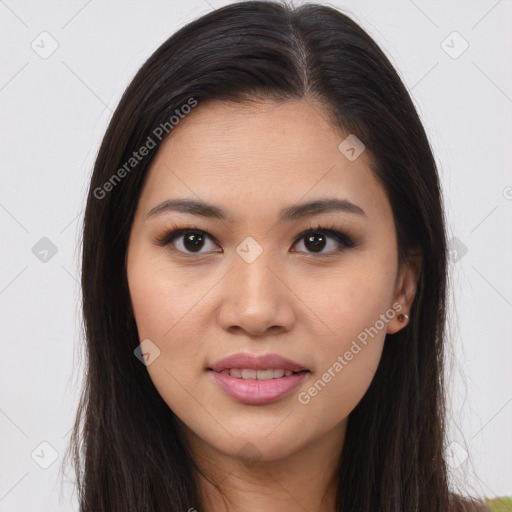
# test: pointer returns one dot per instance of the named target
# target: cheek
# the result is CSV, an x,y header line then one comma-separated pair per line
x,y
154,307
170,308
165,315
347,363
161,300
354,298
352,304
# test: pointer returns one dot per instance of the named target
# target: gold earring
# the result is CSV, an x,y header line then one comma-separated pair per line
x,y
402,317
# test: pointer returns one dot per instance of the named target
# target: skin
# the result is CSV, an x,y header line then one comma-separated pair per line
x,y
309,307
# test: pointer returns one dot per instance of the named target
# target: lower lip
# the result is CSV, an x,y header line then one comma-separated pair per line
x,y
258,392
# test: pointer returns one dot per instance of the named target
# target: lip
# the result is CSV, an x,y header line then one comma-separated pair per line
x,y
258,392
255,362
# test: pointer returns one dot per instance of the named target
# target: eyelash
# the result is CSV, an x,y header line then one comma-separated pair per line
x,y
175,231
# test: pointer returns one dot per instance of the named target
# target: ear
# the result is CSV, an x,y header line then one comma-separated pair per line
x,y
405,290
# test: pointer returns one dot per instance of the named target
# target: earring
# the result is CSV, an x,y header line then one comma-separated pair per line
x,y
402,317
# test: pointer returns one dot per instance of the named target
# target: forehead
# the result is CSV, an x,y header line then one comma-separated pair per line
x,y
256,154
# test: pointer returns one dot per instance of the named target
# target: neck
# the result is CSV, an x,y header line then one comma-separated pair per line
x,y
254,481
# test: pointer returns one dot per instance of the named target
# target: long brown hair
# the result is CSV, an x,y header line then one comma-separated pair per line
x,y
126,447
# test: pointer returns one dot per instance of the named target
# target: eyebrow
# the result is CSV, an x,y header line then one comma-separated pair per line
x,y
202,209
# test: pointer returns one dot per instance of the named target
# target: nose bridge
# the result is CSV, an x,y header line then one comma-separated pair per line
x,y
255,298
251,275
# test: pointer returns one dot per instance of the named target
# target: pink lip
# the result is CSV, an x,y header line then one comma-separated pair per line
x,y
253,362
258,392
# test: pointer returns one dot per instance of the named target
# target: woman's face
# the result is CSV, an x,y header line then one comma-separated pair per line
x,y
249,281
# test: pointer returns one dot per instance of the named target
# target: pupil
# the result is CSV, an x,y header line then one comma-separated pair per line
x,y
315,245
193,241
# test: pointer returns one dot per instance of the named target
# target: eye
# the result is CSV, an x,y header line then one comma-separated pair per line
x,y
315,240
190,240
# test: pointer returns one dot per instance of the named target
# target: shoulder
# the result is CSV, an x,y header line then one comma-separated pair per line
x,y
463,504
499,504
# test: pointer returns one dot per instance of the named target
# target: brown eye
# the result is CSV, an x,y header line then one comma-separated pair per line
x,y
316,240
188,241
193,241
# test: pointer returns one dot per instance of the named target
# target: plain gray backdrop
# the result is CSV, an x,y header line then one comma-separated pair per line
x,y
64,66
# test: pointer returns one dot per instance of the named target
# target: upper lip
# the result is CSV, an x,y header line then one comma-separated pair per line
x,y
256,362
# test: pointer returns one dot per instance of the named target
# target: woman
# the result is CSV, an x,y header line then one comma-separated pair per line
x,y
264,277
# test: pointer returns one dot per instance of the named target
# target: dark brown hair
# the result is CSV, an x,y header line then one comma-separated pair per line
x,y
126,446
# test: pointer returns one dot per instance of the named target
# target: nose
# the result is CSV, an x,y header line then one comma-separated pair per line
x,y
256,300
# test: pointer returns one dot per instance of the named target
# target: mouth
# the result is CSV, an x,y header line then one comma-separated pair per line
x,y
253,374
257,379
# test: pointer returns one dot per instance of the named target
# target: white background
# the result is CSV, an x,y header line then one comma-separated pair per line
x,y
54,114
